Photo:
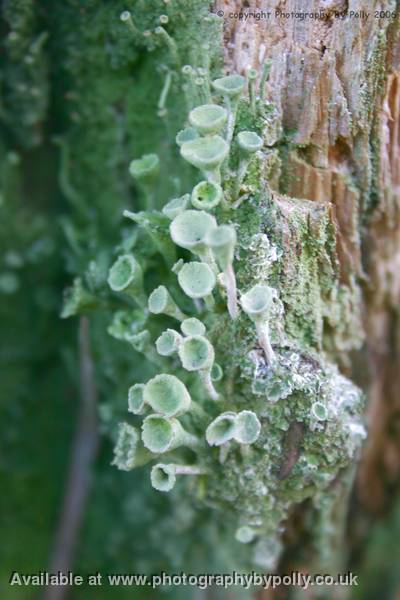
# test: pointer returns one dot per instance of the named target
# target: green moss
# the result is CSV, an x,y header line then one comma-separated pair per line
x,y
24,73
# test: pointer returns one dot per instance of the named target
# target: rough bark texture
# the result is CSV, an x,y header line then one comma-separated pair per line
x,y
81,96
335,86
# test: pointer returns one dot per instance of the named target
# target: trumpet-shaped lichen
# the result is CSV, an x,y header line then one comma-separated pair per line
x,y
254,414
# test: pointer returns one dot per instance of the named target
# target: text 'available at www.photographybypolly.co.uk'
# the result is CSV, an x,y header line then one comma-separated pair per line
x,y
201,581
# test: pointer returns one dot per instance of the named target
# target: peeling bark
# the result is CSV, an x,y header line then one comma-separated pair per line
x,y
334,86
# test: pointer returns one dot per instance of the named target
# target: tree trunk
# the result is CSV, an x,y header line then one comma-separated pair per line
x,y
84,92
335,85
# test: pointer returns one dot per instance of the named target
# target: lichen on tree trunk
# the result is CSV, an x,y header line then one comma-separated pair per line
x,y
320,225
334,84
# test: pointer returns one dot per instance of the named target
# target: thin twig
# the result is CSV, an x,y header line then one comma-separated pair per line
x,y
79,479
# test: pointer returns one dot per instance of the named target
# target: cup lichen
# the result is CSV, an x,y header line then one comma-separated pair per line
x,y
290,424
198,280
126,276
189,230
167,395
161,302
168,342
136,402
197,354
208,119
161,434
257,303
163,476
206,195
206,154
222,241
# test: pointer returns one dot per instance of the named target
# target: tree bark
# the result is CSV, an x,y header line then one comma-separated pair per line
x,y
83,94
334,83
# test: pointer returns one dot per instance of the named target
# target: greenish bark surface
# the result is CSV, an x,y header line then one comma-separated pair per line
x,y
82,94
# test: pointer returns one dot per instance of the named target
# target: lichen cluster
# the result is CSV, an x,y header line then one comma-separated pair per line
x,y
255,419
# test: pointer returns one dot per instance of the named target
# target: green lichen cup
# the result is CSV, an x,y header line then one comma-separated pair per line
x,y
193,326
208,118
206,154
136,401
257,302
221,430
247,427
197,279
176,206
168,342
196,353
161,434
186,135
231,85
163,477
249,142
222,241
206,195
167,395
126,276
189,230
146,168
161,302
129,451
